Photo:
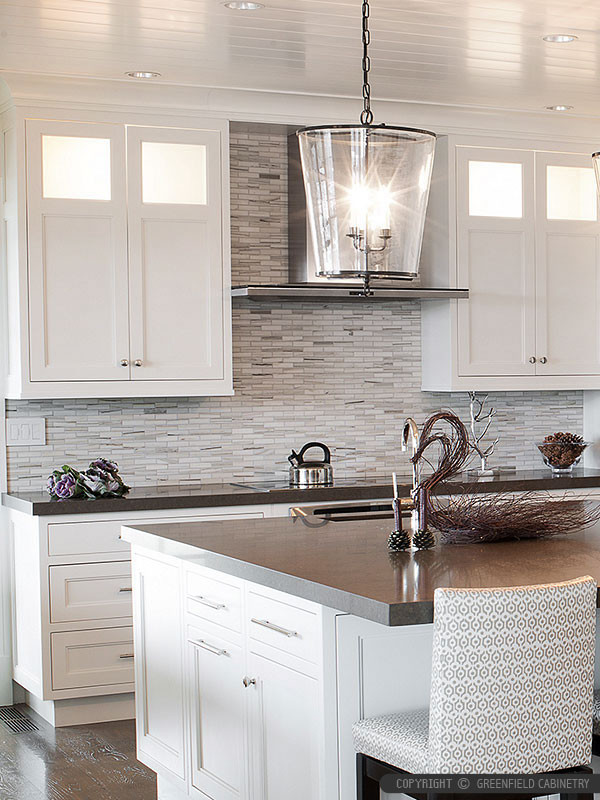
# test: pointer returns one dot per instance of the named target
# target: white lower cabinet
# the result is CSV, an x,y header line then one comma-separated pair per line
x,y
159,666
215,668
254,722
284,721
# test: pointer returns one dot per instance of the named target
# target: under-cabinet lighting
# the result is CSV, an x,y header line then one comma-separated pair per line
x,y
559,108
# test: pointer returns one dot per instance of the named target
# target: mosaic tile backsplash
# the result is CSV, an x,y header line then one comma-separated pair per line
x,y
337,373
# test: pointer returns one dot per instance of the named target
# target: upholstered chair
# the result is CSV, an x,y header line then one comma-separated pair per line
x,y
511,689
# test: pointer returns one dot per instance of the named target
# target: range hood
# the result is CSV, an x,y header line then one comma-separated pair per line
x,y
304,282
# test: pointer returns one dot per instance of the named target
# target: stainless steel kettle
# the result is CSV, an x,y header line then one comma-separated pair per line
x,y
306,473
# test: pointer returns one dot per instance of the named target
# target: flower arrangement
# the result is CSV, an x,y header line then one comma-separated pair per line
x,y
100,479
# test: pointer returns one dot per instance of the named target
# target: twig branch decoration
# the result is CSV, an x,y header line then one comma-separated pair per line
x,y
490,517
478,418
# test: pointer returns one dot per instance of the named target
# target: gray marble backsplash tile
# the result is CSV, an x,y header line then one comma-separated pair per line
x,y
341,374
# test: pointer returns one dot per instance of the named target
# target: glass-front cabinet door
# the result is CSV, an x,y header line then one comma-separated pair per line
x,y
496,260
175,254
77,244
567,265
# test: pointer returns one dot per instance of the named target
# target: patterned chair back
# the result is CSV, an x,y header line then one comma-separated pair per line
x,y
513,678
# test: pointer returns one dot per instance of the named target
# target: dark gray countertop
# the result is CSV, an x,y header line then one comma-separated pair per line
x,y
346,565
247,492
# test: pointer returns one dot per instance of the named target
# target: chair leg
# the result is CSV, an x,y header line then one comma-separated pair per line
x,y
366,788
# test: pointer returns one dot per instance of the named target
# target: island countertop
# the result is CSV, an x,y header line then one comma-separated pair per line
x,y
347,566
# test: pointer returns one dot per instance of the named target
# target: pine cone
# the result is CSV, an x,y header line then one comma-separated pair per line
x,y
564,438
398,540
423,540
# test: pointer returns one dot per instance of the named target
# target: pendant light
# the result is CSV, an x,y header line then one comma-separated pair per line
x,y
366,189
596,163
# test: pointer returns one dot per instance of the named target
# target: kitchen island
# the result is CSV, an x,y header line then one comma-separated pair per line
x,y
259,642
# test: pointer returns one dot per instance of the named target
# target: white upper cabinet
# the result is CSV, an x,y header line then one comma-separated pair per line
x,y
77,232
526,244
124,280
496,261
567,266
175,260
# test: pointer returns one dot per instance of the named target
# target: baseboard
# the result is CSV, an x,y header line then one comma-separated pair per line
x,y
82,710
6,688
167,791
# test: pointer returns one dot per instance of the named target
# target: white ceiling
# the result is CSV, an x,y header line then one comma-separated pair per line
x,y
473,52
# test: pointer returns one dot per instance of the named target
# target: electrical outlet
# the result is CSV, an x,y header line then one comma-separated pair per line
x,y
26,431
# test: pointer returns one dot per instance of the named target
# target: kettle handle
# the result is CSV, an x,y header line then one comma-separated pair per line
x,y
324,448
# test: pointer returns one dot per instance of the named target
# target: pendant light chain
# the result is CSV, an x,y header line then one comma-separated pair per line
x,y
366,116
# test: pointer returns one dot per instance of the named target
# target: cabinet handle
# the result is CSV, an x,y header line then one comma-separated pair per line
x,y
127,655
137,363
272,627
124,362
126,589
210,603
211,649
543,360
532,360
249,682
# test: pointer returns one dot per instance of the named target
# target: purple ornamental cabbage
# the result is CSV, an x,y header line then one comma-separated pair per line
x,y
101,479
63,483
104,464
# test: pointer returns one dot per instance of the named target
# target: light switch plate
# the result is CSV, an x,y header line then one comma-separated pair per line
x,y
25,431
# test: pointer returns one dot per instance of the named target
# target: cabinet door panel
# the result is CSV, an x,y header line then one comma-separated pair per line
x,y
216,670
496,327
77,237
568,266
158,636
177,278
284,732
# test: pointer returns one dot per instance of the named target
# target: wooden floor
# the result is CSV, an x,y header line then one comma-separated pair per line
x,y
85,762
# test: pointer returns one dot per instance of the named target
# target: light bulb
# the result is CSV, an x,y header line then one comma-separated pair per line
x,y
370,207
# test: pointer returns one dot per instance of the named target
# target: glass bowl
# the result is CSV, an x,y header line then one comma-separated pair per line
x,y
561,457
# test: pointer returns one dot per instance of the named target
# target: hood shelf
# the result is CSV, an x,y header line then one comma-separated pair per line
x,y
332,293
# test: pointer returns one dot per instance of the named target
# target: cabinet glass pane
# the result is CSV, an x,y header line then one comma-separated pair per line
x,y
75,168
173,173
571,193
495,189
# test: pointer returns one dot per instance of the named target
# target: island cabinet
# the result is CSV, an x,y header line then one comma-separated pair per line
x,y
231,681
117,257
517,223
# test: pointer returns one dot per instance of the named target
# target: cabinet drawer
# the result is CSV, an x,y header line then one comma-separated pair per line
x,y
214,600
285,627
90,591
82,659
73,538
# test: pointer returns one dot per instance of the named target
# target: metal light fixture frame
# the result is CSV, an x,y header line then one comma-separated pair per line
x,y
361,239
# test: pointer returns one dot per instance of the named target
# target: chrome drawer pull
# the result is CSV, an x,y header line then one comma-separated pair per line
x,y
127,655
211,649
126,589
272,627
210,603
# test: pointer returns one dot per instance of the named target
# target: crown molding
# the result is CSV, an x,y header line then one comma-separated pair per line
x,y
27,90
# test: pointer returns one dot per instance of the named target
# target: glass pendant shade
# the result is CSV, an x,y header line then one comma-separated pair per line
x,y
367,188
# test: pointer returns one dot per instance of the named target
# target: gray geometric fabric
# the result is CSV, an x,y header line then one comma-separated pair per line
x,y
512,683
596,713
397,739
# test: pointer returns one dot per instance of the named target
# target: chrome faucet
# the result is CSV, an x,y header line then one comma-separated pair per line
x,y
410,433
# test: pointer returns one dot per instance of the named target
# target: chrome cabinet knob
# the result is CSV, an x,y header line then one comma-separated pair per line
x,y
124,362
532,360
137,363
543,360
249,682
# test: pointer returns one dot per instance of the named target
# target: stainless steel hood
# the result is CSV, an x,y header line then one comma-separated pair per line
x,y
305,285
331,293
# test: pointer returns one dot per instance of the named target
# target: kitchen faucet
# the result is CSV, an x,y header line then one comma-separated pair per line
x,y
410,431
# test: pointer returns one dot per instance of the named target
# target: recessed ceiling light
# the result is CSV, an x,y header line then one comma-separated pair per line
x,y
143,75
239,5
559,108
560,38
